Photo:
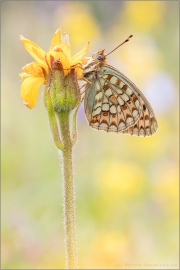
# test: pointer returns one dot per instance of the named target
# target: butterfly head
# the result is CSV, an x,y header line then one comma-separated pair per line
x,y
94,64
99,56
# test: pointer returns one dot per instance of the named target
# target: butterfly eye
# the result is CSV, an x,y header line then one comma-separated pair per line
x,y
100,57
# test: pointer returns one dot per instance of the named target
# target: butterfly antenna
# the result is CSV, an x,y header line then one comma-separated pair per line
x,y
127,39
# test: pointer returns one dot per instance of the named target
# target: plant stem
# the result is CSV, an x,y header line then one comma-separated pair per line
x,y
69,197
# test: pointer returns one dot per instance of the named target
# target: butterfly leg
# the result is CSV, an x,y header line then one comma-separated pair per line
x,y
85,88
84,85
82,99
87,80
84,91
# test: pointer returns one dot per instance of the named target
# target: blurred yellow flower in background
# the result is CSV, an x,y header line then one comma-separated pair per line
x,y
144,15
108,243
38,72
121,179
79,15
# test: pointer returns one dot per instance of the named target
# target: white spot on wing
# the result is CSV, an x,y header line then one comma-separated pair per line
x,y
98,86
121,85
108,92
121,102
102,80
96,112
135,113
128,91
129,120
105,107
112,128
122,125
113,80
105,100
137,103
124,97
113,109
118,109
119,91
97,105
95,125
99,95
103,126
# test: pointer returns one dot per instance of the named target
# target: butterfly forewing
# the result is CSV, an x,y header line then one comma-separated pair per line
x,y
114,104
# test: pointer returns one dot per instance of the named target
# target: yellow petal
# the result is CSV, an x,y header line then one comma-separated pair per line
x,y
34,69
56,40
29,90
34,50
61,41
79,69
79,55
22,75
66,46
79,73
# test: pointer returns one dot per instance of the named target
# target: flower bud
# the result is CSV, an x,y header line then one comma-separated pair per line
x,y
64,90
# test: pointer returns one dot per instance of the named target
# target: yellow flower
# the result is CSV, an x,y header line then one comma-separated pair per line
x,y
36,73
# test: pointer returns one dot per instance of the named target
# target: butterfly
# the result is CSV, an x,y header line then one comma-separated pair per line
x,y
112,102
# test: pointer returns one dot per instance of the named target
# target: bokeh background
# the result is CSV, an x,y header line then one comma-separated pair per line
x,y
126,187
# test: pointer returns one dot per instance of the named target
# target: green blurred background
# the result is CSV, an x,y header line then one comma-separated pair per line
x,y
126,187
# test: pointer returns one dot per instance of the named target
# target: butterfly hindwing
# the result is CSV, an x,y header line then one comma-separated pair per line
x,y
114,104
145,126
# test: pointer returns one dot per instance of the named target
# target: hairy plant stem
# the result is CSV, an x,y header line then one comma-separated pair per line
x,y
69,197
62,99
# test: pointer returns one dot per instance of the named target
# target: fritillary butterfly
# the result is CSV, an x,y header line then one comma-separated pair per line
x,y
112,102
